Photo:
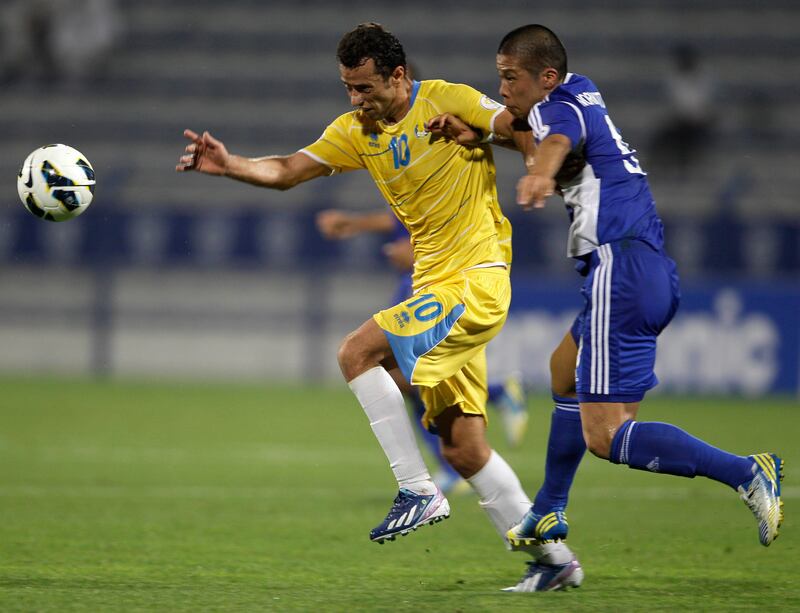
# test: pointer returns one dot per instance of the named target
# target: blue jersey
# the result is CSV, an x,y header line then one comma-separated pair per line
x,y
403,291
610,199
398,230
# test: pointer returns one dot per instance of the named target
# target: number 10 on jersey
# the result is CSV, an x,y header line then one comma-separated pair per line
x,y
400,151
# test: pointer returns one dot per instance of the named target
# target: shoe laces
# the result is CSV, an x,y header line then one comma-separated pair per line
x,y
398,501
534,567
751,494
401,498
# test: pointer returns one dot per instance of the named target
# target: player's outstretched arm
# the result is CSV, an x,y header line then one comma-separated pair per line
x,y
400,254
208,155
337,225
450,127
507,132
540,182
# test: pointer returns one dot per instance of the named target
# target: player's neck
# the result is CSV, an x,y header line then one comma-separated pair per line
x,y
403,104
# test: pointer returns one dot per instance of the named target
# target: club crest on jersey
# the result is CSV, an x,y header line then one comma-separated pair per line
x,y
421,133
373,140
489,104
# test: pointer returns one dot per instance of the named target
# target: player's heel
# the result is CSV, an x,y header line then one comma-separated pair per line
x,y
762,495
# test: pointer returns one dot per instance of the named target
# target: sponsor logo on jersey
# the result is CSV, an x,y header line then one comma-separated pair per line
x,y
402,319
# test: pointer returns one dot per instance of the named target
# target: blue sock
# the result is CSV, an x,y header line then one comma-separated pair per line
x,y
664,448
565,448
495,391
431,440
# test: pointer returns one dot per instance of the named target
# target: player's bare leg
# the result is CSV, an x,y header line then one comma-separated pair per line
x,y
464,442
601,421
499,491
465,446
612,433
419,501
562,367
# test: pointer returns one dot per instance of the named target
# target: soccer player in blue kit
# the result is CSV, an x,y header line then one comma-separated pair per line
x,y
604,365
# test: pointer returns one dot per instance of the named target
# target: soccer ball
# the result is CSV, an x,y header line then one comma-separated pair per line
x,y
56,182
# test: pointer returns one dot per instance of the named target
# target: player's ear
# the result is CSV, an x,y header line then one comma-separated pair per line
x,y
399,73
549,77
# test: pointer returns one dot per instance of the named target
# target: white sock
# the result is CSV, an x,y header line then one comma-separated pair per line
x,y
551,553
384,405
500,493
502,497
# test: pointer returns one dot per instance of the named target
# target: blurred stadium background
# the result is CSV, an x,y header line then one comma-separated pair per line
x,y
172,275
118,492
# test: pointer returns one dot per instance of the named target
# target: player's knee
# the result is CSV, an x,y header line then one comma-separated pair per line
x,y
598,441
563,388
349,358
466,459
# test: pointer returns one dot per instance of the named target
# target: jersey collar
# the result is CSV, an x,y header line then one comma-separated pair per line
x,y
391,127
414,91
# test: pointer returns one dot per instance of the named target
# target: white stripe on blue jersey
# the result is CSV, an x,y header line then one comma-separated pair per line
x,y
582,198
610,199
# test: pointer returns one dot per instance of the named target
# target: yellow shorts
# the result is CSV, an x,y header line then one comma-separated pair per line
x,y
439,337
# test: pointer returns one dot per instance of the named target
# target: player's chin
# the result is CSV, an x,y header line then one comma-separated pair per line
x,y
515,112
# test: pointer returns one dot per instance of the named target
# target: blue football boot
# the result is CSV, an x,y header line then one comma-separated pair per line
x,y
409,512
536,528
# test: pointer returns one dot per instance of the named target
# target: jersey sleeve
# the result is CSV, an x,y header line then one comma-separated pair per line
x,y
559,117
470,105
335,148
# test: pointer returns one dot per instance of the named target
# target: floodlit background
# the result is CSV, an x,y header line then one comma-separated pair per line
x,y
171,275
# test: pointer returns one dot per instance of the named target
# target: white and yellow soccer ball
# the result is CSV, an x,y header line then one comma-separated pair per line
x,y
56,182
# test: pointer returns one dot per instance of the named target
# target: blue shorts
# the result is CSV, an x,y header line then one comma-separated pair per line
x,y
630,295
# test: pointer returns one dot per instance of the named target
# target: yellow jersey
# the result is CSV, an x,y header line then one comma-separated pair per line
x,y
444,194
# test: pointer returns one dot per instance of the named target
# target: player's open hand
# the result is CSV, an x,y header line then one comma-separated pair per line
x,y
204,153
450,127
400,254
336,225
533,190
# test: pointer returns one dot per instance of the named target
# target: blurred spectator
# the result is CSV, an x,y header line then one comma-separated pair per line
x,y
51,41
27,43
87,30
689,126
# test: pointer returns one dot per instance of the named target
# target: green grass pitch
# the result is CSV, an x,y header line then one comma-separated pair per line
x,y
121,496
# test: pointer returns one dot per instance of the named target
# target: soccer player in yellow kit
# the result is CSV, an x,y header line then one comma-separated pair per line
x,y
445,195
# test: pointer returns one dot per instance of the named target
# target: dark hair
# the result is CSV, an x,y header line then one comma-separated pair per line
x,y
371,41
537,48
